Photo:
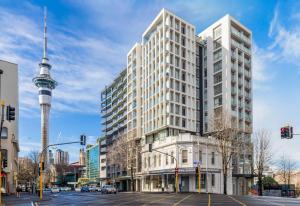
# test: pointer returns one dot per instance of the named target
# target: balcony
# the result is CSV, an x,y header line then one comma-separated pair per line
x,y
233,91
248,107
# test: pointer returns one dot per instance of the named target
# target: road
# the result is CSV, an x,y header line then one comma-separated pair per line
x,y
187,199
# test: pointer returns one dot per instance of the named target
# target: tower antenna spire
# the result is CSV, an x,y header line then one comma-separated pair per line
x,y
45,33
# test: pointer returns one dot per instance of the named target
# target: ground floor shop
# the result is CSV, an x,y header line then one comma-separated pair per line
x,y
210,182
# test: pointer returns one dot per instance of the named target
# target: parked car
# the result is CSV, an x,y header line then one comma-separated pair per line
x,y
98,189
78,189
85,189
108,189
54,190
92,189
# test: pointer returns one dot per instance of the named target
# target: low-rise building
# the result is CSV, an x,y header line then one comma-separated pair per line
x,y
9,93
186,152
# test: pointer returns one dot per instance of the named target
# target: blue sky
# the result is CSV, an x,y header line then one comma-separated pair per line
x,y
88,43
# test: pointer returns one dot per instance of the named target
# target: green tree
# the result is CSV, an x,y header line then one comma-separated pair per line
x,y
268,182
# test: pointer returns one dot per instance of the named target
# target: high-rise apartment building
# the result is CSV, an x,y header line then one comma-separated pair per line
x,y
168,76
51,157
226,85
82,156
61,157
174,85
9,94
114,108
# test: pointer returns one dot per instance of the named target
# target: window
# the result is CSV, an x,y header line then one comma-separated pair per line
x,y
200,156
218,89
159,160
183,87
217,32
183,64
177,109
183,111
183,99
217,43
203,181
167,159
177,121
213,180
183,76
218,78
149,162
183,122
184,156
212,158
218,66
218,101
154,160
172,158
217,55
4,133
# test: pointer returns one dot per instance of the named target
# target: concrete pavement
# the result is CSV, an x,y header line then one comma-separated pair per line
x,y
164,199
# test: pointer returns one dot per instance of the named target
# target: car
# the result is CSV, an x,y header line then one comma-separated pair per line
x,y
78,189
98,189
85,189
54,190
108,189
92,189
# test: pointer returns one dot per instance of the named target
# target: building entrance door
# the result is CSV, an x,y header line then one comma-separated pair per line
x,y
185,183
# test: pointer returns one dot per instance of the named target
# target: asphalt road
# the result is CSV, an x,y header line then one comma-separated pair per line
x,y
187,199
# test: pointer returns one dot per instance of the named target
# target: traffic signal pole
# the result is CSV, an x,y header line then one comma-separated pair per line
x,y
176,169
1,126
199,179
41,165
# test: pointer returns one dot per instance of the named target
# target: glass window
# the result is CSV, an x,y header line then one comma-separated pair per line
x,y
218,89
4,133
172,158
200,156
218,101
218,78
217,32
217,55
213,180
159,160
167,159
217,43
154,160
184,156
212,158
203,181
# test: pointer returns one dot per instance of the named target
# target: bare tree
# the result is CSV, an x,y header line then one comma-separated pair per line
x,y
262,155
123,155
228,140
286,169
117,154
34,156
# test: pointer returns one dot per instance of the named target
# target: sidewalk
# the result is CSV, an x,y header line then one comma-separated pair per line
x,y
25,199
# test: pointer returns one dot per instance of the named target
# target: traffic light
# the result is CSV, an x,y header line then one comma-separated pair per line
x,y
82,139
197,170
39,171
10,113
4,163
42,166
150,147
176,171
286,132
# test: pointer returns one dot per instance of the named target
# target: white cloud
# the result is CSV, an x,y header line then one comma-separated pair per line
x,y
82,65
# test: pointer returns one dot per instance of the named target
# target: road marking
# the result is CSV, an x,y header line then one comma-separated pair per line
x,y
241,203
159,200
36,204
182,200
209,201
131,201
268,201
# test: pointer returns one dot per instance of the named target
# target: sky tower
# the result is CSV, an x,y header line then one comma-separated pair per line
x,y
45,84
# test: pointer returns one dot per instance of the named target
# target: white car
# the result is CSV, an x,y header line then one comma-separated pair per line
x,y
78,189
92,189
54,190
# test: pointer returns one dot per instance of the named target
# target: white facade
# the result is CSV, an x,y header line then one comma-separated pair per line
x,y
158,169
168,76
227,86
9,93
227,72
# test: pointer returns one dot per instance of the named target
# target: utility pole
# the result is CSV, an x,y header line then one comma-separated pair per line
x,y
1,126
